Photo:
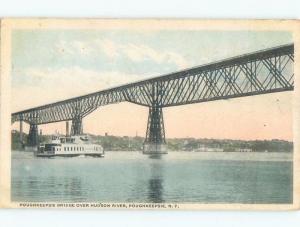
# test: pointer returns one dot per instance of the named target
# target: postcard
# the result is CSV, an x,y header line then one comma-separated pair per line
x,y
150,114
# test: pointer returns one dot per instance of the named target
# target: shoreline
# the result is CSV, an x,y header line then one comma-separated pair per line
x,y
183,155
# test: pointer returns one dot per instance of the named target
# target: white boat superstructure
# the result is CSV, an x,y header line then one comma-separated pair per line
x,y
70,146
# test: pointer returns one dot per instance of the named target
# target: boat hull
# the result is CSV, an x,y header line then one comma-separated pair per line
x,y
68,155
69,147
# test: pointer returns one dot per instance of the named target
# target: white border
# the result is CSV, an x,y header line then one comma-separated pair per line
x,y
154,8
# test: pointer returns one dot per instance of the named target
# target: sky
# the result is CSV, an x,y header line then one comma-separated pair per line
x,y
52,65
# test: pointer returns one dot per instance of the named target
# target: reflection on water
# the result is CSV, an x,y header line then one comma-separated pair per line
x,y
155,156
56,187
133,177
155,192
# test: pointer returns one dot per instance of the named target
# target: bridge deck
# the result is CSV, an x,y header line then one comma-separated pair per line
x,y
264,71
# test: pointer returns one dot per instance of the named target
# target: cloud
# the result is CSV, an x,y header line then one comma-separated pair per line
x,y
75,79
108,47
49,85
141,52
118,51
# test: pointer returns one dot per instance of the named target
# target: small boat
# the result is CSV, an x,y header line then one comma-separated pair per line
x,y
69,146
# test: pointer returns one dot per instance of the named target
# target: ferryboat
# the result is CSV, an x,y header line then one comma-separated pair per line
x,y
69,146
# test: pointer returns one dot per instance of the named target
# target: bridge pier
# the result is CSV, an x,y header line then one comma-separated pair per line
x,y
67,129
76,128
155,142
21,132
33,136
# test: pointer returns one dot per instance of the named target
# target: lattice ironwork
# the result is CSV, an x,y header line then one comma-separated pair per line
x,y
33,136
76,127
262,72
155,128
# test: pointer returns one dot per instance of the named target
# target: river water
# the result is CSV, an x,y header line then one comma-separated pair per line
x,y
179,177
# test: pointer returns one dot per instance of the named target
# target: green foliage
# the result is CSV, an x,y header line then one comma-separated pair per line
x,y
15,140
16,144
118,143
125,143
190,144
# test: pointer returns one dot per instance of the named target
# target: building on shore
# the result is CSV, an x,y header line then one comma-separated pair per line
x,y
209,149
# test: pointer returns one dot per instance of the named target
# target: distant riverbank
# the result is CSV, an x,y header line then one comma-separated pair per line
x,y
125,143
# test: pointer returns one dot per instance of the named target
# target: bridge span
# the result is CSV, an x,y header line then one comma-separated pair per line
x,y
265,71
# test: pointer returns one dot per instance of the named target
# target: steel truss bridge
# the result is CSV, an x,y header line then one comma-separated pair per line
x,y
265,71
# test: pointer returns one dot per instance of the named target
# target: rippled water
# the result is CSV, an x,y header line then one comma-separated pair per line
x,y
133,177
